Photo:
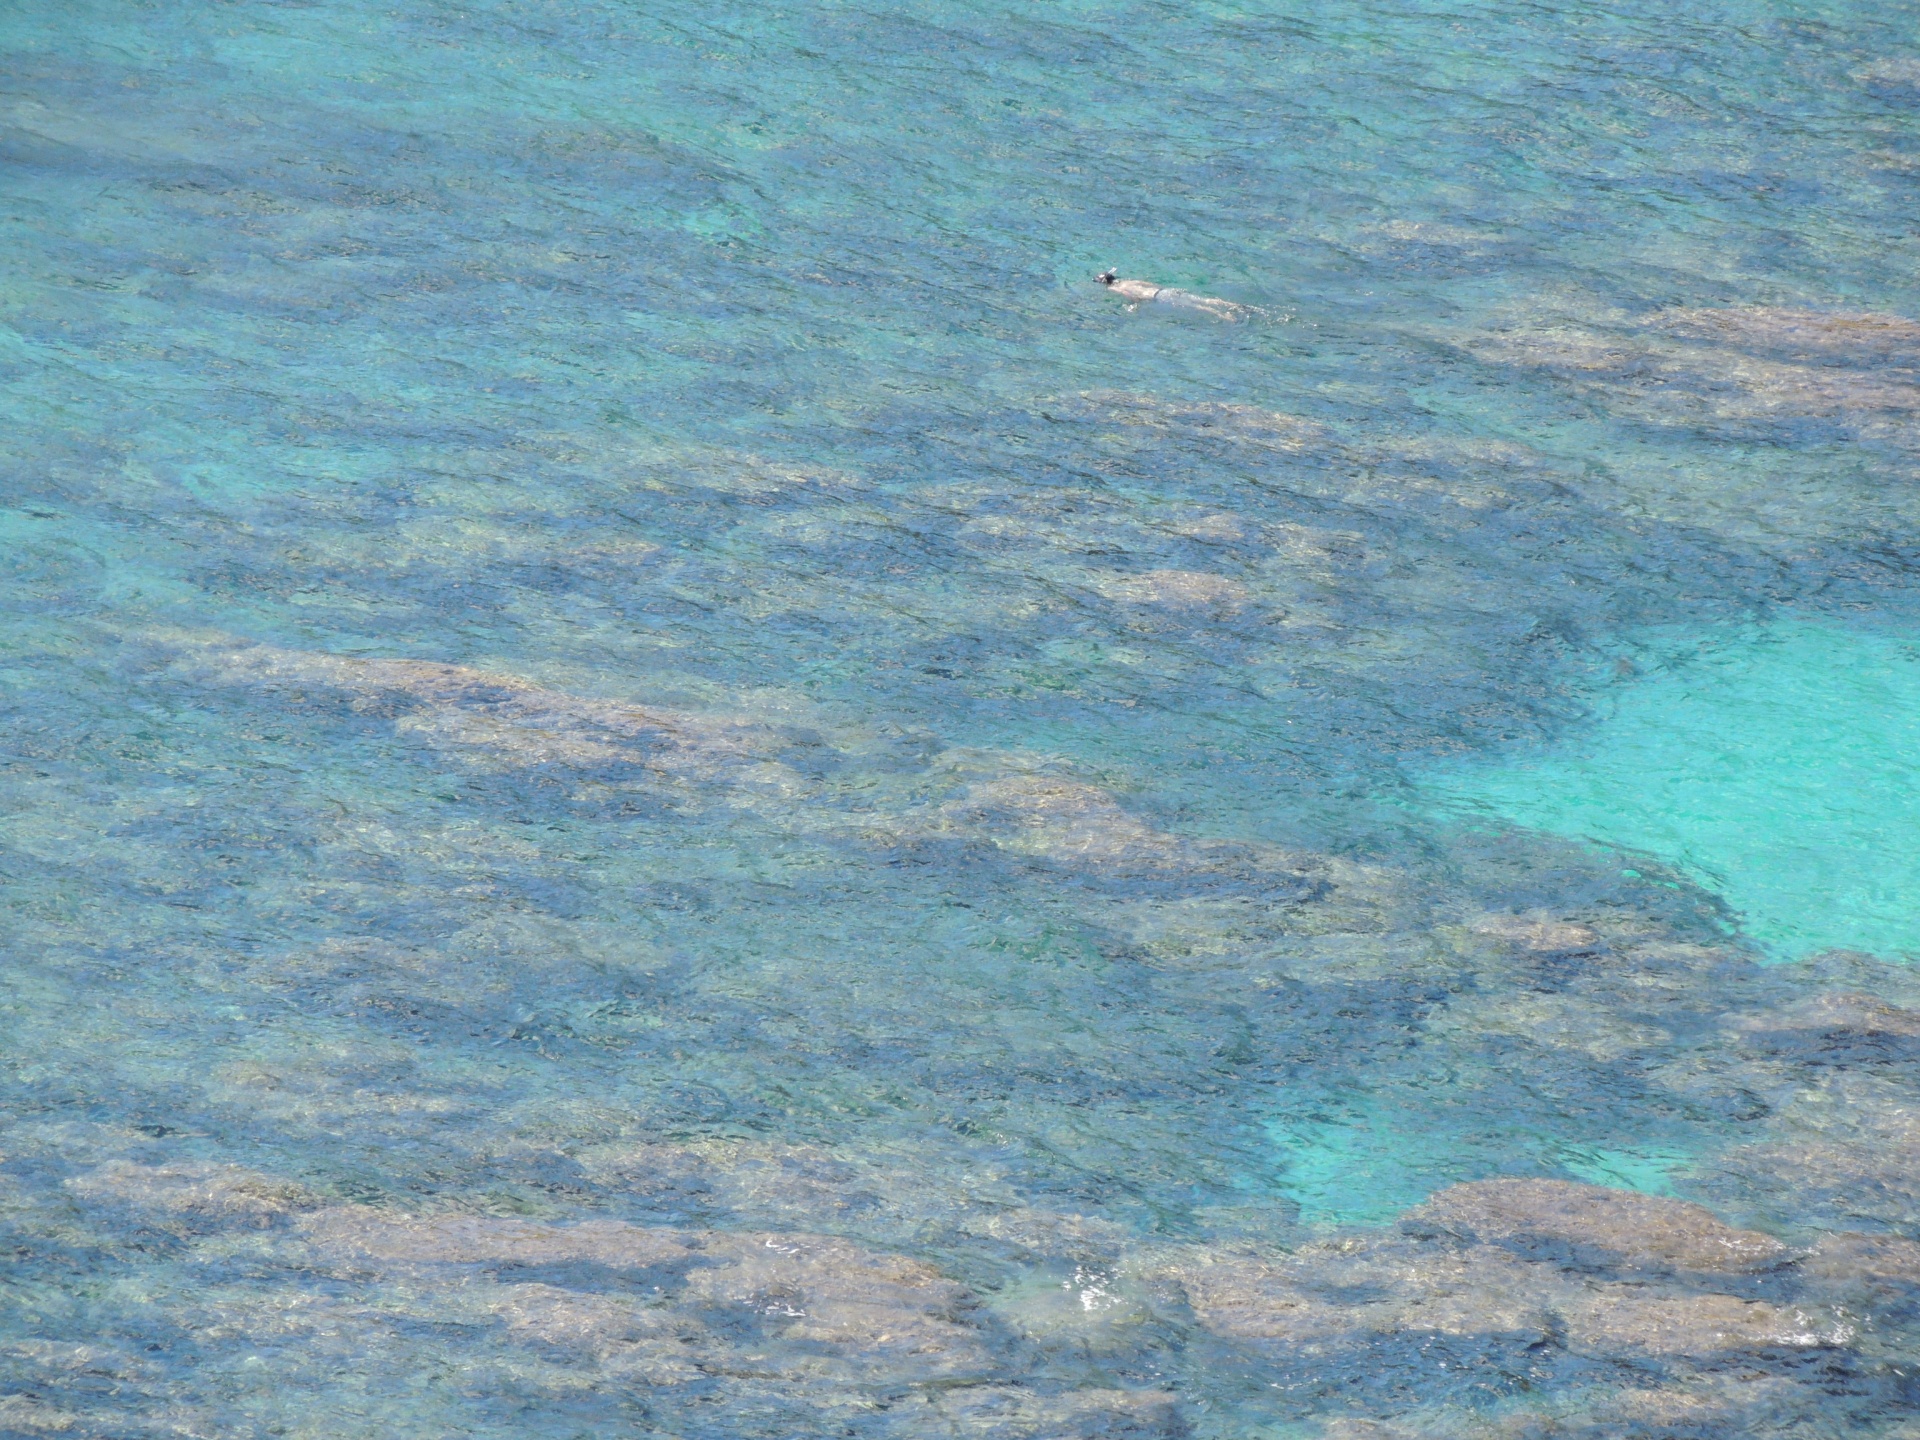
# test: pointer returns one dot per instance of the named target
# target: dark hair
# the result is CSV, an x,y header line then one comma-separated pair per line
x,y
1107,277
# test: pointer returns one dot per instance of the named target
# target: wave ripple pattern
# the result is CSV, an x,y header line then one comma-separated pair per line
x,y
663,778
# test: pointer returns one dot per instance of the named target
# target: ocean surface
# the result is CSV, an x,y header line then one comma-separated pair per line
x,y
662,778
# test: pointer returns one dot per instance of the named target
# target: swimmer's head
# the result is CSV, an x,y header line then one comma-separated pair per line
x,y
1106,277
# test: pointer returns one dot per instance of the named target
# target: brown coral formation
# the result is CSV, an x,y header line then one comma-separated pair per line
x,y
1835,1027
1518,1263
462,706
675,1307
1623,1226
221,1193
1544,1272
737,761
1240,422
1801,334
660,1305
1538,933
1752,365
1875,1259
1846,1149
1069,820
377,1238
1181,589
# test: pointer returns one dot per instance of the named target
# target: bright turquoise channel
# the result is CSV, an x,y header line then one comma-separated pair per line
x,y
1777,766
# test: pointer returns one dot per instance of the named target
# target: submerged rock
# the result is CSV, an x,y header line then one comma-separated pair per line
x,y
374,1236
1484,1270
876,1312
1070,822
715,1300
513,720
1345,1292
1244,423
1874,1258
1826,333
651,1344
1561,1022
1749,366
1539,934
1697,1406
1354,1293
1627,1320
1181,589
1836,1029
1005,1412
218,1193
1845,1152
1566,1219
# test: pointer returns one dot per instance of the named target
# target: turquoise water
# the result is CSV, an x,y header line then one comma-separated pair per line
x,y
1774,767
663,778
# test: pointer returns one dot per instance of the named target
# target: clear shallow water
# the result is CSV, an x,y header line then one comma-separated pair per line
x,y
662,779
1773,767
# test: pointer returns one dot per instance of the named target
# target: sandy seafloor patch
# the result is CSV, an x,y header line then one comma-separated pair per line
x,y
661,779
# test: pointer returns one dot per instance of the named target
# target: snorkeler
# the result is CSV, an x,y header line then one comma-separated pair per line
x,y
1137,292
